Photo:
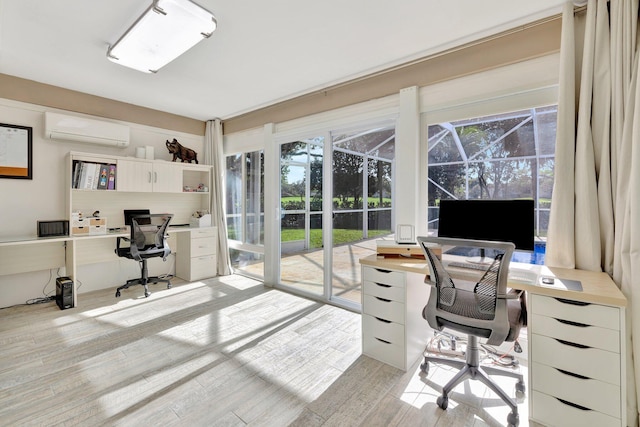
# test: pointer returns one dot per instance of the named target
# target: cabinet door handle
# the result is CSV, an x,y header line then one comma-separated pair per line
x,y
383,320
382,285
155,177
566,402
384,341
149,177
569,322
571,374
572,302
383,299
572,344
383,271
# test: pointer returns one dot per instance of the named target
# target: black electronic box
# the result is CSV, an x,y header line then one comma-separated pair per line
x,y
64,292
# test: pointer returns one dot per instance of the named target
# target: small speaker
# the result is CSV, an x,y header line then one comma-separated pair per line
x,y
53,228
64,292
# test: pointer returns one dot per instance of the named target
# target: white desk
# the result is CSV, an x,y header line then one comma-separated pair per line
x,y
577,339
29,253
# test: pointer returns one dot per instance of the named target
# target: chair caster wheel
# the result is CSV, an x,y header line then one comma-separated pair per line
x,y
513,420
443,402
168,285
117,294
424,367
146,294
520,390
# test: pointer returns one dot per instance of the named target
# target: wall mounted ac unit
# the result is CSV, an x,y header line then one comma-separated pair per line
x,y
80,129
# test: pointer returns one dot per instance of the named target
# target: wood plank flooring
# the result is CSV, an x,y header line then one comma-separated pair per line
x,y
221,352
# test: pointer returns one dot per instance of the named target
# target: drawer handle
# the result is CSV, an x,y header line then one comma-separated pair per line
x,y
572,344
384,341
572,302
382,285
383,299
383,320
383,271
571,374
569,322
583,408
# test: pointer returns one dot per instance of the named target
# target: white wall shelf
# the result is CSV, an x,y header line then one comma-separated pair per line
x,y
156,185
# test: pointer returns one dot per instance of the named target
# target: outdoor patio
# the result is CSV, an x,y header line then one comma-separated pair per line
x,y
304,270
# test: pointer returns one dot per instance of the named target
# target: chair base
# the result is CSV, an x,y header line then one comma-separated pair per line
x,y
471,369
144,280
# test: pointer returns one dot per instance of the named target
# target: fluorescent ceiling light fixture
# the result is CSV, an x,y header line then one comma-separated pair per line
x,y
166,30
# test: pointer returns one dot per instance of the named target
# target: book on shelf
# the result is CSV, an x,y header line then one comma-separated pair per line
x,y
76,173
82,179
96,177
111,184
103,177
90,176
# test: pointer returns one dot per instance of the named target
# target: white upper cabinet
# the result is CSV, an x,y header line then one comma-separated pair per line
x,y
167,177
163,177
135,176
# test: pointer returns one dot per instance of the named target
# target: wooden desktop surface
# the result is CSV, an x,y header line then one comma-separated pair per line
x,y
29,240
597,287
21,254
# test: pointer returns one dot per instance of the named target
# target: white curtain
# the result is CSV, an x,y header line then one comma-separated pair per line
x,y
595,208
214,157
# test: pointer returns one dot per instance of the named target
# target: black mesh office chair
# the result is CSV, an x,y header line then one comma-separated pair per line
x,y
481,309
148,239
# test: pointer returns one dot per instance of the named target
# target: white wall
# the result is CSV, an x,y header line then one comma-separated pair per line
x,y
24,202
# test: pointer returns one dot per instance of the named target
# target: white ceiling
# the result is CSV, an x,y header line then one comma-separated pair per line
x,y
263,52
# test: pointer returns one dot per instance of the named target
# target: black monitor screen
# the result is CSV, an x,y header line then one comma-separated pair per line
x,y
495,220
128,213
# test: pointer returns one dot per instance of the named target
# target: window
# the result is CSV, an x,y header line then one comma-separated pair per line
x,y
358,154
503,156
301,194
245,211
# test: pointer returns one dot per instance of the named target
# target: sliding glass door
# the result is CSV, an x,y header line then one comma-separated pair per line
x,y
335,200
302,261
362,203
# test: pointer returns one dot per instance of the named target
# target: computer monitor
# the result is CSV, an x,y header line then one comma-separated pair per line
x,y
128,213
496,220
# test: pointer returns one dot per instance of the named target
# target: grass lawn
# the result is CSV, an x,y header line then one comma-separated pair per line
x,y
340,236
370,200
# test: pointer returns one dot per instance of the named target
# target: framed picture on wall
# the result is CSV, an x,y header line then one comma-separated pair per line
x,y
16,151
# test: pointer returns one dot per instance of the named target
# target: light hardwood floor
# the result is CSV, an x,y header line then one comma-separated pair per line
x,y
221,352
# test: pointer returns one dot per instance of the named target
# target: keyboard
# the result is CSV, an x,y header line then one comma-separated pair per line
x,y
526,277
515,274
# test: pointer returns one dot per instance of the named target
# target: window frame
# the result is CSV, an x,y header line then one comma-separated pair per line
x,y
465,160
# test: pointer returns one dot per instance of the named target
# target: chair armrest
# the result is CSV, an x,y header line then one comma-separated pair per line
x,y
512,294
126,239
427,280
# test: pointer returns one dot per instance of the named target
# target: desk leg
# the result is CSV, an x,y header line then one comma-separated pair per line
x,y
70,267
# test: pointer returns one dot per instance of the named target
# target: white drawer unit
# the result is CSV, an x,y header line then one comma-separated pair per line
x,y
392,303
197,253
576,356
576,346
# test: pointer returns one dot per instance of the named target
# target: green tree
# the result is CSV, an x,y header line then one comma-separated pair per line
x,y
347,179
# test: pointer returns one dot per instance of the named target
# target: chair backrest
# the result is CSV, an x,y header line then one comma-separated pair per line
x,y
149,235
475,304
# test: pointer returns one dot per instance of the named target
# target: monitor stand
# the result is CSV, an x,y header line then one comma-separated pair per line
x,y
480,260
